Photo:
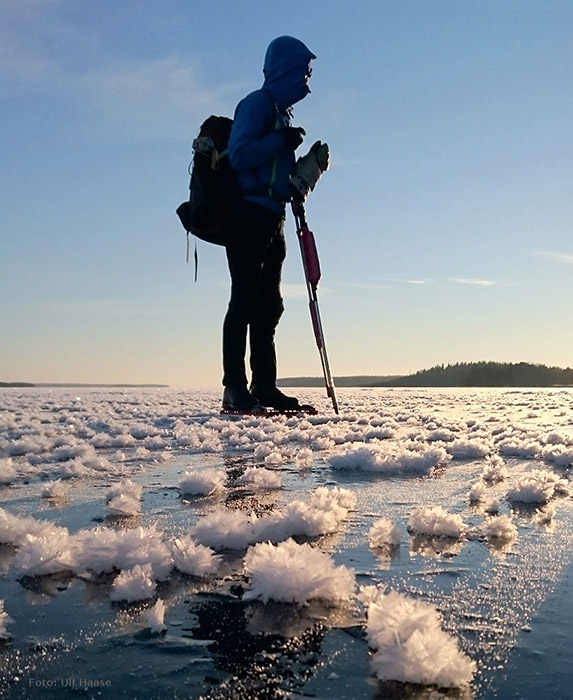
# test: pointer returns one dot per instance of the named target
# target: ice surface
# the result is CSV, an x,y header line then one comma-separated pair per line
x,y
452,501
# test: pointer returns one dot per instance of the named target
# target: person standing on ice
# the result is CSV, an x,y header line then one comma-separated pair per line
x,y
261,151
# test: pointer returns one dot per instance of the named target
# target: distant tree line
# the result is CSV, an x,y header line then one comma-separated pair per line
x,y
352,381
482,374
15,384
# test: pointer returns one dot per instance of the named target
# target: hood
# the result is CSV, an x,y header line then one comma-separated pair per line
x,y
285,68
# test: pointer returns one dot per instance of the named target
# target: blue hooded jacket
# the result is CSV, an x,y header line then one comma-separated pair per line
x,y
257,148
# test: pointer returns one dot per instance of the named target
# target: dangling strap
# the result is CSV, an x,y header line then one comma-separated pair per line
x,y
196,258
195,255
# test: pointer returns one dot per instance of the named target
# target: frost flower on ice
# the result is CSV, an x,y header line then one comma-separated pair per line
x,y
494,470
5,619
105,550
538,487
499,527
274,459
260,478
545,516
512,447
123,506
436,522
388,459
55,489
467,449
50,553
134,584
14,528
124,488
124,499
383,533
296,573
7,472
477,492
410,645
558,454
153,618
193,558
225,529
320,515
493,507
202,483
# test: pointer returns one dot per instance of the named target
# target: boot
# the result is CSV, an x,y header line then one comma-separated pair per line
x,y
271,397
239,399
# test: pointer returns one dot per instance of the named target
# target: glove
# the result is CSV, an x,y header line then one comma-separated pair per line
x,y
293,136
308,170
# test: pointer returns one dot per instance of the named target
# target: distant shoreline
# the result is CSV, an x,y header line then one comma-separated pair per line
x,y
76,385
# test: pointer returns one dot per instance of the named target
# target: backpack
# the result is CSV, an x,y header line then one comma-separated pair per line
x,y
213,190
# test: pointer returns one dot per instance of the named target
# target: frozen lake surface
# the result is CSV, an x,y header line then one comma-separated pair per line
x,y
416,546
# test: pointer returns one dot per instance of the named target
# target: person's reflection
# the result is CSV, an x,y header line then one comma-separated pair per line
x,y
267,649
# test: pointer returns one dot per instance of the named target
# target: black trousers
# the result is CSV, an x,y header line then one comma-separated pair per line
x,y
255,253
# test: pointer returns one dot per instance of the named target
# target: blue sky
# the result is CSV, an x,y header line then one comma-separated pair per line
x,y
444,225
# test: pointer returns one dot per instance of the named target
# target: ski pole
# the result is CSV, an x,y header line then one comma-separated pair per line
x,y
311,268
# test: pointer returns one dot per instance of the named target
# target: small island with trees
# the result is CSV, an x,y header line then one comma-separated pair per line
x,y
485,374
460,374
